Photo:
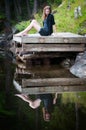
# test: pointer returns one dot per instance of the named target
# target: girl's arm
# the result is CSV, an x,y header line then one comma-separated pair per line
x,y
55,98
54,28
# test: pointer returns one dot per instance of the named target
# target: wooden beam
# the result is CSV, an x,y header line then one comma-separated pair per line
x,y
54,89
46,72
53,82
53,47
26,55
58,38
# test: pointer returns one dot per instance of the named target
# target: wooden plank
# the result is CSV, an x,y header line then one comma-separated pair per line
x,y
58,38
44,72
54,89
53,47
46,55
52,40
53,82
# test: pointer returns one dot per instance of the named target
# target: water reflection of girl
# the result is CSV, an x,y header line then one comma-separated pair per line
x,y
48,24
47,100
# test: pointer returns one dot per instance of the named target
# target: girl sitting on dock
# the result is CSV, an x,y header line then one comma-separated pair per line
x,y
48,24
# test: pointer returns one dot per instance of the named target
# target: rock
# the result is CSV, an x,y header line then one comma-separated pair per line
x,y
79,68
3,44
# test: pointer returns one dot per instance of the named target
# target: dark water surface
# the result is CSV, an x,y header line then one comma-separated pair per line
x,y
69,111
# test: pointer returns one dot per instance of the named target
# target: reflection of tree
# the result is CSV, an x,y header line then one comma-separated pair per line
x,y
8,79
77,114
63,117
77,118
37,119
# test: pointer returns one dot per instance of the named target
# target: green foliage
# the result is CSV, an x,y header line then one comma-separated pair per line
x,y
74,97
22,25
72,1
65,18
82,28
61,117
3,111
58,2
2,16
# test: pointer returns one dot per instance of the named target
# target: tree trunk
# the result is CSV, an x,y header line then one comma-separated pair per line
x,y
16,9
7,9
37,118
8,80
19,6
35,6
28,9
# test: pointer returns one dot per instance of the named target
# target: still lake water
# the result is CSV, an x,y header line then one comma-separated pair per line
x,y
69,112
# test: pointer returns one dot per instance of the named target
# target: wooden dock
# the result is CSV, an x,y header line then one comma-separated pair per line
x,y
61,42
36,46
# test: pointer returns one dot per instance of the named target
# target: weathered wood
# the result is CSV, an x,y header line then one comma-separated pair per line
x,y
58,38
53,47
54,89
47,72
61,42
18,57
53,82
47,55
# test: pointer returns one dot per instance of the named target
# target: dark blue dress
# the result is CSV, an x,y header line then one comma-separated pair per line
x,y
47,26
47,100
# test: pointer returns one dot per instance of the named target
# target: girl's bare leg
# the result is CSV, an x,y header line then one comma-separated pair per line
x,y
33,104
33,24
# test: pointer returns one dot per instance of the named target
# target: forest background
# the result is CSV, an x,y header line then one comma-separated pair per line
x,y
19,13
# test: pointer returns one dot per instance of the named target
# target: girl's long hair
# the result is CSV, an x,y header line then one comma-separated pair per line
x,y
44,10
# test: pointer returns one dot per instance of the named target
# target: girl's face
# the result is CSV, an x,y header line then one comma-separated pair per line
x,y
47,11
47,117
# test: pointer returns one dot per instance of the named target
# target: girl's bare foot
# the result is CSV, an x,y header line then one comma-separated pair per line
x,y
21,34
23,97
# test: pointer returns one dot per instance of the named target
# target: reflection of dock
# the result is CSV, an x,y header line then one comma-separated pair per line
x,y
43,71
53,85
62,42
49,80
